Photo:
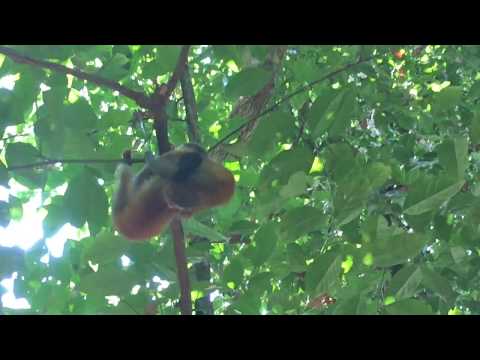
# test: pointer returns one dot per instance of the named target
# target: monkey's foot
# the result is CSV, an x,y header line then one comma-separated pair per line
x,y
185,212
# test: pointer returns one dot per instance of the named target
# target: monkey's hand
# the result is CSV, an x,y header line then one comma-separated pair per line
x,y
183,211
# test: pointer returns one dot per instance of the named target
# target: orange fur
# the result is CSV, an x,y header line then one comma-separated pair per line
x,y
145,212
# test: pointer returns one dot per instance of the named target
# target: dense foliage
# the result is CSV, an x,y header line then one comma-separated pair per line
x,y
357,173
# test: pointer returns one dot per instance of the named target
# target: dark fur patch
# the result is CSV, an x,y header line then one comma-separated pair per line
x,y
188,163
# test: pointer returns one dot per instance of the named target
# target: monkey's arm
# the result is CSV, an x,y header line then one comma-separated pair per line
x,y
140,211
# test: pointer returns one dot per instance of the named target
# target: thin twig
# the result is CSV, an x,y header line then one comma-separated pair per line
x,y
303,120
140,98
49,162
13,136
288,97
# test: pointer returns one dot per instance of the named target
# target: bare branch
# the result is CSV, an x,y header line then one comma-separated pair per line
x,y
48,162
140,98
288,97
179,69
158,105
303,120
190,106
182,269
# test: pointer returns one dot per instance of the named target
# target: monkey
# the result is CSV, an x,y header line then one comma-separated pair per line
x,y
181,182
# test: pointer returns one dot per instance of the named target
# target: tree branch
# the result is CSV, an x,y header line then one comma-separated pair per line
x,y
140,98
288,97
179,70
190,107
48,162
158,103
160,98
182,268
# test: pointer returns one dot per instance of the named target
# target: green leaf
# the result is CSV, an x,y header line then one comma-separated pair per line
x,y
434,201
54,98
355,305
97,215
265,243
85,200
324,123
50,132
447,99
343,116
378,173
397,249
434,281
285,164
115,68
405,282
56,217
323,275
108,280
18,154
296,257
233,272
453,156
247,82
300,221
273,128
167,58
51,299
197,228
474,128
79,116
25,93
259,284
116,118
409,307
106,248
297,184
319,108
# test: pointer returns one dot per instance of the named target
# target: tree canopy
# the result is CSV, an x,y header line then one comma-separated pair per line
x,y
357,178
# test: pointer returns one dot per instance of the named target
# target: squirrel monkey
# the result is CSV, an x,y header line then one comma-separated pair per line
x,y
182,181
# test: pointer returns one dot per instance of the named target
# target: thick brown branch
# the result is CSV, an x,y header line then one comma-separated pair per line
x,y
190,107
179,69
138,97
160,99
288,97
158,105
182,269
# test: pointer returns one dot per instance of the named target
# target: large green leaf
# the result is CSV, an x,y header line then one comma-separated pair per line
x,y
247,82
436,282
323,275
21,154
434,201
397,249
405,283
285,164
106,248
447,99
108,280
409,307
453,156
300,221
85,200
265,243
